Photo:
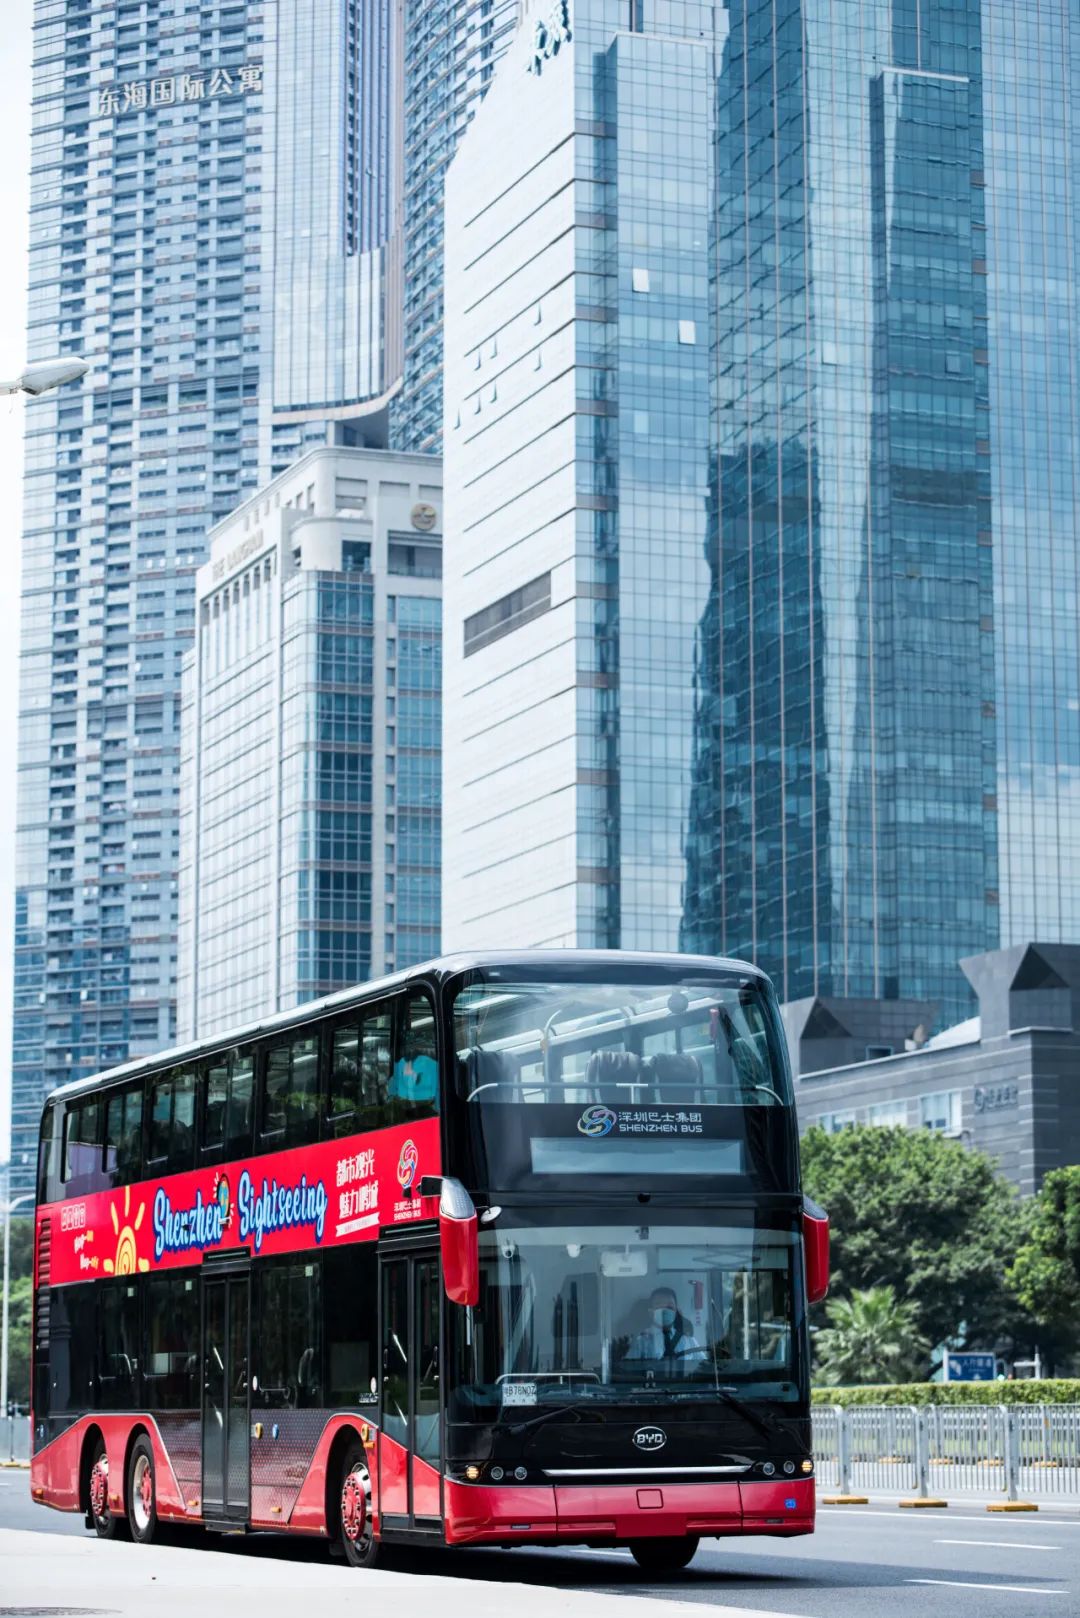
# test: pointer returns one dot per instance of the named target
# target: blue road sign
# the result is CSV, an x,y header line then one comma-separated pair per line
x,y
970,1367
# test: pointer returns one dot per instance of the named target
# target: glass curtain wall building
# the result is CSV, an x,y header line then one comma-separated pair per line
x,y
311,730
760,591
449,52
207,200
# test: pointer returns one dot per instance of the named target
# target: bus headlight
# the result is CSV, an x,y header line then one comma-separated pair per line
x,y
768,1468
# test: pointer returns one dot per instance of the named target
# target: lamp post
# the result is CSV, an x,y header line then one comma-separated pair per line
x,y
9,1209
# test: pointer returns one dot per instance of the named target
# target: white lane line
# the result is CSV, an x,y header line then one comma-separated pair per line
x,y
1015,1589
999,1544
904,1519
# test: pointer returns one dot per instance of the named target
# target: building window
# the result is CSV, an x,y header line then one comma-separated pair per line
x,y
874,1053
507,614
639,279
889,1115
687,331
406,557
833,1122
941,1111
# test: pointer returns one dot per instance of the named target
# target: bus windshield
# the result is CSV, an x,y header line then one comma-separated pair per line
x,y
683,1043
612,1314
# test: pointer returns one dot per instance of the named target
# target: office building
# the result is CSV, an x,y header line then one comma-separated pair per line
x,y
311,730
209,211
1005,1081
449,50
753,645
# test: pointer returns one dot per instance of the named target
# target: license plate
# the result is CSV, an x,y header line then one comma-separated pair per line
x,y
519,1393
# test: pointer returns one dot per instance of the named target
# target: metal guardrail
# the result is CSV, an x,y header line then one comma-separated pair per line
x,y
1014,1451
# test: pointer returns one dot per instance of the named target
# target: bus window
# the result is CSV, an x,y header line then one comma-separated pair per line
x,y
350,1280
290,1114
72,1350
118,1357
81,1172
171,1370
414,1084
123,1135
360,1073
287,1349
171,1146
48,1157
227,1108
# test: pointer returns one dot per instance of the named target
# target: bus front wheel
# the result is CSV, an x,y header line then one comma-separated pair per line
x,y
354,1513
664,1555
142,1492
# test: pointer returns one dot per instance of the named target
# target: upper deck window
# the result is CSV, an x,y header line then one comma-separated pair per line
x,y
634,1044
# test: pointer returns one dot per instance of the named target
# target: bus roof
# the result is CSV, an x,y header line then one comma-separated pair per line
x,y
442,967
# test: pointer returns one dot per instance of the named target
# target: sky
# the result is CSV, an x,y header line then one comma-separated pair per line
x,y
14,213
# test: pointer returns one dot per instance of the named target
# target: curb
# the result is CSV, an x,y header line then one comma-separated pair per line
x,y
14,1466
922,1503
1012,1505
845,1499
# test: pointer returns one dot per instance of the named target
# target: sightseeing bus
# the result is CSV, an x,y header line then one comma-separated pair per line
x,y
508,1249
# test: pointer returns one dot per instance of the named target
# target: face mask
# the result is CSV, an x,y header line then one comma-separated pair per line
x,y
664,1317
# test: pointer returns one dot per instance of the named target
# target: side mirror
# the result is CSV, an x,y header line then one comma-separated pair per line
x,y
459,1243
815,1235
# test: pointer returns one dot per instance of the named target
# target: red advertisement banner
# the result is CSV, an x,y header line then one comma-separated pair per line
x,y
312,1196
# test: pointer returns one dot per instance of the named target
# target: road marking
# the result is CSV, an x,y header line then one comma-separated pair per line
x,y
1000,1544
842,1514
1015,1589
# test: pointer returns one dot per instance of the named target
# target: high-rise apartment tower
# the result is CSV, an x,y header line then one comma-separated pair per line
x,y
212,196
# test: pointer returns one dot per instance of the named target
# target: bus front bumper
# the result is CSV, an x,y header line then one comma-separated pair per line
x,y
614,1514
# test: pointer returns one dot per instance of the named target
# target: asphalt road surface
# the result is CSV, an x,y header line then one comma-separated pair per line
x,y
862,1562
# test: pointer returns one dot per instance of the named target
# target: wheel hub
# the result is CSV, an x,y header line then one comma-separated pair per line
x,y
99,1486
354,1506
142,1493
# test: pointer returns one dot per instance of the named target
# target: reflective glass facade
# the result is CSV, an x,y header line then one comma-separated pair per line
x,y
788,438
310,756
449,52
206,200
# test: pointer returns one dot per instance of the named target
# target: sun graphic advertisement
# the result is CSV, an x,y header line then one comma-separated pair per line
x,y
127,1259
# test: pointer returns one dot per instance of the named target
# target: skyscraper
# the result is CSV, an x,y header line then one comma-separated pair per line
x,y
760,452
449,52
211,204
309,800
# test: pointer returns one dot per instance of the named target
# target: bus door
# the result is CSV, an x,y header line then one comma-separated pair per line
x,y
410,1469
226,1408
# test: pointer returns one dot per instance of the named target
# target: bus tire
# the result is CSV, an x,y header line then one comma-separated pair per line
x,y
664,1555
142,1492
99,1517
354,1526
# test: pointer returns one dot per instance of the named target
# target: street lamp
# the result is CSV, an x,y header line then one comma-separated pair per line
x,y
9,1209
41,375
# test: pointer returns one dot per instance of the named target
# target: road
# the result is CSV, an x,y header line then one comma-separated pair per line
x,y
864,1562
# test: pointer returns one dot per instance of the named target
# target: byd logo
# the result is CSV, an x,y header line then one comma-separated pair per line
x,y
650,1439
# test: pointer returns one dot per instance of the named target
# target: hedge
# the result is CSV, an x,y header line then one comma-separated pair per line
x,y
1059,1391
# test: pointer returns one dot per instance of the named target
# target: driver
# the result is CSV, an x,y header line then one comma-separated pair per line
x,y
668,1336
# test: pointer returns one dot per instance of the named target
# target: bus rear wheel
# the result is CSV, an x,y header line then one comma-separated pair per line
x,y
142,1492
354,1513
104,1524
664,1555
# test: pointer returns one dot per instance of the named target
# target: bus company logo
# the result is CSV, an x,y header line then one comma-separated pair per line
x,y
221,1197
73,1217
407,1165
650,1439
597,1121
127,1259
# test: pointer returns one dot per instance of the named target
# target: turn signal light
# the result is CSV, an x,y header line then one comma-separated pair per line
x,y
808,1466
472,1473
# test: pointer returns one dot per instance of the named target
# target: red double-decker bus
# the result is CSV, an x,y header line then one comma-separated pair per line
x,y
504,1250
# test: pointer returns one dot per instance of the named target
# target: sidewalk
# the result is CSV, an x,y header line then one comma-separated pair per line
x,y
134,1581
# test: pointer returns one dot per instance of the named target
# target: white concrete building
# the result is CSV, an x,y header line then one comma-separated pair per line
x,y
310,769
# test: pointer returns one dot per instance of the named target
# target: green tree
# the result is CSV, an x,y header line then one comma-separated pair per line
x,y
871,1337
1046,1272
920,1213
19,1343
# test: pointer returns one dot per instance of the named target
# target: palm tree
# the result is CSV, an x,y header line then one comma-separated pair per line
x,y
871,1337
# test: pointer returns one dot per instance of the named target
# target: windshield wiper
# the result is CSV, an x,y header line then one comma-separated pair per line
x,y
516,1428
767,1425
